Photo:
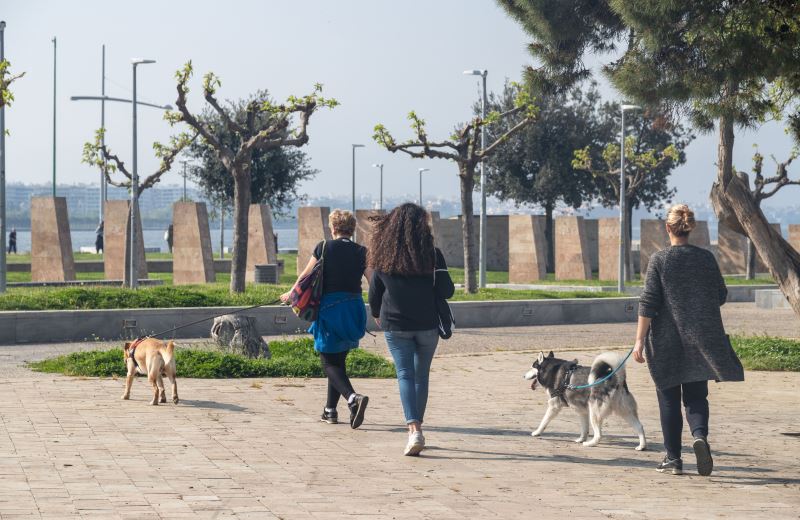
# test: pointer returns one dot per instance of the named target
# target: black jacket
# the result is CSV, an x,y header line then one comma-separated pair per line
x,y
408,302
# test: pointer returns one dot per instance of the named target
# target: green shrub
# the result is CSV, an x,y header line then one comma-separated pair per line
x,y
767,353
290,358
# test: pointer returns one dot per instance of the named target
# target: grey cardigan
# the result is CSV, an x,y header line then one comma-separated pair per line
x,y
683,292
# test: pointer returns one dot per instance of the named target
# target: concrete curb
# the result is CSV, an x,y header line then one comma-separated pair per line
x,y
115,324
736,293
771,299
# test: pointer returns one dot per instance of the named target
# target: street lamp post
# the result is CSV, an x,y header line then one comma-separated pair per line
x,y
184,181
380,200
54,116
354,174
482,225
134,277
623,236
2,173
420,183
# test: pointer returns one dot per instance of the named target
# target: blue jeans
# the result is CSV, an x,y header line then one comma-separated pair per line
x,y
413,352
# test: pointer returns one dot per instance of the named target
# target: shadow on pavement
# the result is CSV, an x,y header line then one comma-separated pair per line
x,y
213,405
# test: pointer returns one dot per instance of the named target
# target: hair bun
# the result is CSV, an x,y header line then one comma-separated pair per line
x,y
681,220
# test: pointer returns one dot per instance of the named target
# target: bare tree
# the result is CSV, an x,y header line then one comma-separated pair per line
x,y
98,154
764,188
464,149
256,133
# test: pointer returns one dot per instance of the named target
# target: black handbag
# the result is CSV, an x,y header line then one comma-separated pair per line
x,y
445,315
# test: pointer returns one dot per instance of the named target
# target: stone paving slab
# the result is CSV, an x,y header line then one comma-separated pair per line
x,y
70,448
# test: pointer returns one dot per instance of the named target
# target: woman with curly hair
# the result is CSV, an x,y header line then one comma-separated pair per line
x,y
342,319
409,275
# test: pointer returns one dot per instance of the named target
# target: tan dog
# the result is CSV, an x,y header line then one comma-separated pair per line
x,y
154,359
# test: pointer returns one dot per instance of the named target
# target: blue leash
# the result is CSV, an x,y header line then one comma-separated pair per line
x,y
606,378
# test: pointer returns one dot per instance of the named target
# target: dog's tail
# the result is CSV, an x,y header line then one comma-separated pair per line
x,y
604,364
169,353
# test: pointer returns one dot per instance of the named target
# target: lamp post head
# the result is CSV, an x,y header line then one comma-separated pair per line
x,y
141,61
379,165
631,107
358,146
167,107
476,72
2,25
424,170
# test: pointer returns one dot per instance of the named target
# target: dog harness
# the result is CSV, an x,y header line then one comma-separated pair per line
x,y
559,391
132,350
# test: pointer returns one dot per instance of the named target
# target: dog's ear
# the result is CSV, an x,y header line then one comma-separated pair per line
x,y
551,355
541,357
128,345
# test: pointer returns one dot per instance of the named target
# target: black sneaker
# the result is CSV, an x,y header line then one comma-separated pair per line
x,y
357,409
330,417
674,466
702,452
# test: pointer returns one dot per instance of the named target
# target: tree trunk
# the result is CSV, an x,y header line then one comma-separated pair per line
x,y
751,260
735,206
467,179
628,239
241,210
548,234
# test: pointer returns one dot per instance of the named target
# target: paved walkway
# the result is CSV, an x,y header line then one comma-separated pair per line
x,y
70,448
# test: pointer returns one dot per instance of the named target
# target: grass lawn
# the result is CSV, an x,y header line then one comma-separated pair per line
x,y
767,353
291,358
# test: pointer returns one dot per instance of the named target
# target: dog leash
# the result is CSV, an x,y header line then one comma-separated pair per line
x,y
605,378
209,318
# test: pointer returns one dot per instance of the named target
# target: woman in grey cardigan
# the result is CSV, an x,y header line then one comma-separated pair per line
x,y
681,334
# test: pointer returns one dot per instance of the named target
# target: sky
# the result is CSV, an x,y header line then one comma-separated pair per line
x,y
380,59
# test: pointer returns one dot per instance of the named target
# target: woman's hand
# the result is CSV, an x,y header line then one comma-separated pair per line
x,y
285,296
378,322
638,351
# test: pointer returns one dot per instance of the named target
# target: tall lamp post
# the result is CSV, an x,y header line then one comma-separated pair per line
x,y
184,181
54,116
482,226
623,236
380,200
354,174
134,279
2,172
421,170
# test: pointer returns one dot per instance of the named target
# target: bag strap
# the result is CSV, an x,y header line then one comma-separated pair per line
x,y
322,256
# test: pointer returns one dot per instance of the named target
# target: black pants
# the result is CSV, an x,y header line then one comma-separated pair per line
x,y
338,382
669,405
12,248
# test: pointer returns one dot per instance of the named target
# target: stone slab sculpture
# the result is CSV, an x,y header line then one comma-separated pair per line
x,y
192,259
652,237
117,243
261,246
794,236
364,225
732,250
51,243
591,225
527,248
608,248
572,249
312,227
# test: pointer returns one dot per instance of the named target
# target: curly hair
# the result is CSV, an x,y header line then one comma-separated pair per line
x,y
402,242
342,222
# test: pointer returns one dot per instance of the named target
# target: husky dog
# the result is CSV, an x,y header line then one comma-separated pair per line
x,y
594,404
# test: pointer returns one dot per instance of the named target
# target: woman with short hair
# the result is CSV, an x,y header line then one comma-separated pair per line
x,y
409,275
680,332
342,318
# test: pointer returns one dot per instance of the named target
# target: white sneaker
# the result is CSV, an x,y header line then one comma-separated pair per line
x,y
416,442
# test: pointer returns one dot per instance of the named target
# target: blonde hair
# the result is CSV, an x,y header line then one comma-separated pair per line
x,y
680,220
342,222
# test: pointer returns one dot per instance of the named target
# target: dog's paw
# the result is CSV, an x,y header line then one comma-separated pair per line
x,y
163,400
175,400
154,402
591,443
641,447
535,433
126,397
580,440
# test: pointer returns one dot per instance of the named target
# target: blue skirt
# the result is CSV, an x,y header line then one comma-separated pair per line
x,y
341,322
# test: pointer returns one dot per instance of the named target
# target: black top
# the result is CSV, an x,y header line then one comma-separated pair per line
x,y
686,342
407,302
345,262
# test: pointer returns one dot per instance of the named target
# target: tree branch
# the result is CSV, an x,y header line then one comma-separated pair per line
x,y
519,126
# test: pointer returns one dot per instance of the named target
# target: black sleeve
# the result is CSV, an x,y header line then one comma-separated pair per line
x,y
723,289
375,295
363,258
443,286
318,250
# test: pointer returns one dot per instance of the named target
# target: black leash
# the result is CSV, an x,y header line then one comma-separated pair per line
x,y
210,318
